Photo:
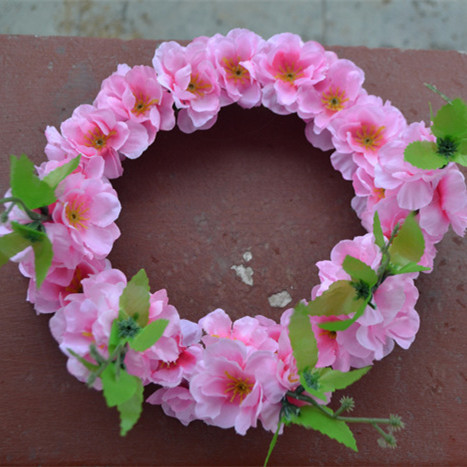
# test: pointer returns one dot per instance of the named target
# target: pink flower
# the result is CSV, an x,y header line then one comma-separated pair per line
x,y
360,131
286,64
135,94
87,318
233,56
217,324
338,91
176,402
88,207
189,73
96,132
448,205
231,385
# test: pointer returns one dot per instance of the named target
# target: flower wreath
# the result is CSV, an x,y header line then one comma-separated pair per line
x,y
59,225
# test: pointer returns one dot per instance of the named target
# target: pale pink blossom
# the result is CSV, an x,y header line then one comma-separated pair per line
x,y
231,385
250,331
96,132
88,207
339,90
175,402
448,205
285,65
189,73
233,57
87,318
360,131
135,94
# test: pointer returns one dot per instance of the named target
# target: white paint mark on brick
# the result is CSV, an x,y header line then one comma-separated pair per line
x,y
244,273
280,299
247,256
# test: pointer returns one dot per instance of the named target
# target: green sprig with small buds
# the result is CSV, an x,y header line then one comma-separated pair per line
x,y
130,330
400,254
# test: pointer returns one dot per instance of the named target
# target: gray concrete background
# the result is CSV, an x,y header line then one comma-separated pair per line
x,y
408,24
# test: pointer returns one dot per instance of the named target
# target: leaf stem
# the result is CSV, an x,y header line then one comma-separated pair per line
x,y
104,364
437,91
336,416
34,216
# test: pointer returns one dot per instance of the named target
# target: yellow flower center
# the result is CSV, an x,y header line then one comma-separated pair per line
x,y
76,213
235,71
143,104
333,99
75,285
97,139
197,86
369,136
237,388
379,193
330,334
289,73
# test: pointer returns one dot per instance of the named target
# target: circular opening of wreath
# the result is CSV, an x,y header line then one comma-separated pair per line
x,y
236,371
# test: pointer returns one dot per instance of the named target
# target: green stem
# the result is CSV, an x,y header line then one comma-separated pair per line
x,y
34,216
437,91
335,416
105,364
273,441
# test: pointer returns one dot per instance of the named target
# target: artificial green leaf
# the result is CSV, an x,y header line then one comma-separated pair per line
x,y
409,267
378,231
10,245
131,409
408,245
56,176
312,417
114,337
334,379
451,120
149,335
90,366
134,300
302,338
316,390
339,299
358,270
344,324
272,445
118,388
27,186
422,154
43,251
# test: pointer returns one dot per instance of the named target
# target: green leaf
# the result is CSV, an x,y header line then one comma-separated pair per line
x,y
422,154
408,245
272,445
118,389
409,267
43,251
25,184
114,337
451,120
358,270
134,300
60,173
312,417
302,338
378,231
149,335
10,245
344,324
334,379
339,299
130,410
